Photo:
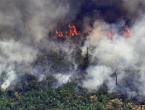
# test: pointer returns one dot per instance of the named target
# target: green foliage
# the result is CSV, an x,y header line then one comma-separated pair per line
x,y
100,106
62,98
11,93
115,105
127,108
1,92
47,83
128,101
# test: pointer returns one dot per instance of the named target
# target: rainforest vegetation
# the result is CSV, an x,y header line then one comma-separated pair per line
x,y
32,94
35,95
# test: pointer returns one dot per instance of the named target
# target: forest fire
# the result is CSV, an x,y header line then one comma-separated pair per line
x,y
109,34
71,48
73,32
127,33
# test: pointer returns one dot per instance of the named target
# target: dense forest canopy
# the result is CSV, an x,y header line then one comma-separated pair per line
x,y
70,96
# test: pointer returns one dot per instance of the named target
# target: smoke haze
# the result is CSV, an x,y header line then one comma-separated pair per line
x,y
24,38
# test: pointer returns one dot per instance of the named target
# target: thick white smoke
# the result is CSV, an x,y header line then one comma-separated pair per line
x,y
124,55
96,76
24,28
12,55
62,78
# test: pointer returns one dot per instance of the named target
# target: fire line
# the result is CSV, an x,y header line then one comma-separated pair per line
x,y
73,32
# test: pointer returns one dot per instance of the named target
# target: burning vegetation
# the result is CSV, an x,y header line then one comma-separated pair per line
x,y
96,44
73,32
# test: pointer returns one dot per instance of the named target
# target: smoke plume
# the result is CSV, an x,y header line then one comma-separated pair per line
x,y
125,57
24,28
27,45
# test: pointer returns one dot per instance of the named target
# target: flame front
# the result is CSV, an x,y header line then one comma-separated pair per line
x,y
109,34
127,33
73,32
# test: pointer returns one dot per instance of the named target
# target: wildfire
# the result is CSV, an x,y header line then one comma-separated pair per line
x,y
73,32
109,34
127,33
59,34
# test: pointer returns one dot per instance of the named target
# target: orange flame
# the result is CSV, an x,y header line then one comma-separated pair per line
x,y
127,33
109,34
88,31
60,34
56,33
72,32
